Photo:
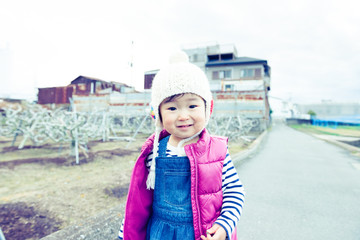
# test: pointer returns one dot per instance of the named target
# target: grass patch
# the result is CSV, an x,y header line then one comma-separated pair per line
x,y
236,147
349,131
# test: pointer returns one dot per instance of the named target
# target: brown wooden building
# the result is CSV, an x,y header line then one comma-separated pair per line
x,y
82,85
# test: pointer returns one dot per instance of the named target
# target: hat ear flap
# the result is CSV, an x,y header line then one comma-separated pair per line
x,y
211,106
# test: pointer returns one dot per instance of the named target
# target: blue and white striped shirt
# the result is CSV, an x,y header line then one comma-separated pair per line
x,y
233,192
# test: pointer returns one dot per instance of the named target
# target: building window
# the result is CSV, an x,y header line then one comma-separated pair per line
x,y
229,87
247,73
223,74
81,86
257,72
215,75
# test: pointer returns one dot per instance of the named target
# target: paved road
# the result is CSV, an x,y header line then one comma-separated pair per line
x,y
300,187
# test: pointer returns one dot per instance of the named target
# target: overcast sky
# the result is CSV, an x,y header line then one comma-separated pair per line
x,y
312,46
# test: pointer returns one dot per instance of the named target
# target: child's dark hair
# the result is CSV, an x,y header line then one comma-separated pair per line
x,y
169,99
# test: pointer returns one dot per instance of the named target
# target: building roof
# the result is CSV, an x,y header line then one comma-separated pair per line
x,y
122,84
85,78
236,61
152,71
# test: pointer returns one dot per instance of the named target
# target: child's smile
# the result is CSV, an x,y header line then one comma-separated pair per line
x,y
183,116
185,126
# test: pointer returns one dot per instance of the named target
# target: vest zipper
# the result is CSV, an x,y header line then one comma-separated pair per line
x,y
196,190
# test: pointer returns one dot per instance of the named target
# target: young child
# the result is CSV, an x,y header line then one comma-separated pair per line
x,y
184,184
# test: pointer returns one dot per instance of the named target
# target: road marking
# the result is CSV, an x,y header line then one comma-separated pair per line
x,y
356,166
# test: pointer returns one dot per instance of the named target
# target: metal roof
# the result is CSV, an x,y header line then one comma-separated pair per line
x,y
86,79
152,71
236,61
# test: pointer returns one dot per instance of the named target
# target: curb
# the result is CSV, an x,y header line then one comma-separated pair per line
x,y
250,150
348,147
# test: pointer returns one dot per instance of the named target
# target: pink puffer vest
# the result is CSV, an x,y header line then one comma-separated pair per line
x,y
206,162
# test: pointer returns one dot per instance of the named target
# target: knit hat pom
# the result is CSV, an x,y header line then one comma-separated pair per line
x,y
179,57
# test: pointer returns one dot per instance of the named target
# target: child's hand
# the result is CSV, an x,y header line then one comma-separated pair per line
x,y
216,232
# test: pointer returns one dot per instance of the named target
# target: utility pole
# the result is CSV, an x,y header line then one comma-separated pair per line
x,y
132,62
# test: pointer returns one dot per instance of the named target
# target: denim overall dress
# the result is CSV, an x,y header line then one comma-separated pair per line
x,y
172,217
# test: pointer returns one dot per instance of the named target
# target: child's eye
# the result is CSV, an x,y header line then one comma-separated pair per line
x,y
192,106
172,108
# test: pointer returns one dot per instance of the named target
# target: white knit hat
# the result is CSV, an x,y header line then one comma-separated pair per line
x,y
178,77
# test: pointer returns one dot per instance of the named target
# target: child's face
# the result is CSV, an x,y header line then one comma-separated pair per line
x,y
183,116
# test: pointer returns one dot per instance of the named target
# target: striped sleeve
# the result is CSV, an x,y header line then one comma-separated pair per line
x,y
148,160
121,231
233,197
